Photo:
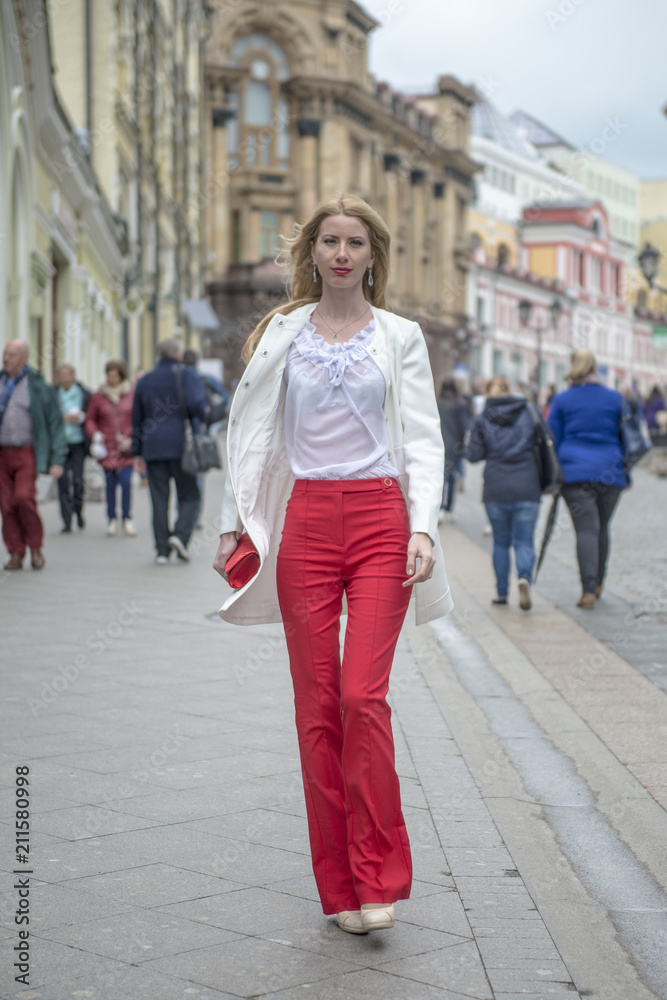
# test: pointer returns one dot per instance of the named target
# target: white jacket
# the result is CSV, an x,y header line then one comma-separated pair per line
x,y
259,480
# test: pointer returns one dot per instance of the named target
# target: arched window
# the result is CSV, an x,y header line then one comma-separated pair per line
x,y
503,255
259,137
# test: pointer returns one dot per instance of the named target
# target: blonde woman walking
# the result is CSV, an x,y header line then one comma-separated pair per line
x,y
335,469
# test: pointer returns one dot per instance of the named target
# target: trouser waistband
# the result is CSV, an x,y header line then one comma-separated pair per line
x,y
343,485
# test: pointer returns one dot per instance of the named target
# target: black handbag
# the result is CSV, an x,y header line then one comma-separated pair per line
x,y
635,440
549,468
200,451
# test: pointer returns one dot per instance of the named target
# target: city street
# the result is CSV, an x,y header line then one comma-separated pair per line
x,y
168,845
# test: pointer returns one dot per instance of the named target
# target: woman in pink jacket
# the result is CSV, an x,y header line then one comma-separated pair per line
x,y
109,425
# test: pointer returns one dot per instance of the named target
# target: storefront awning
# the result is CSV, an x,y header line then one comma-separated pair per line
x,y
200,315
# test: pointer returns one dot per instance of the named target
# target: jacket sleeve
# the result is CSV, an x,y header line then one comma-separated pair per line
x,y
92,416
424,452
137,422
230,519
476,448
195,398
55,427
555,422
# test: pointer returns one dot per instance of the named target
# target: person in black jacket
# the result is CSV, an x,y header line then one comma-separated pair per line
x,y
505,435
158,436
454,420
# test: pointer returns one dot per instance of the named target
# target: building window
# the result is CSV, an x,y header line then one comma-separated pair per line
x,y
582,270
261,138
641,298
498,361
503,255
269,233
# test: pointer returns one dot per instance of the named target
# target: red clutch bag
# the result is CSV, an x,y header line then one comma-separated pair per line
x,y
243,563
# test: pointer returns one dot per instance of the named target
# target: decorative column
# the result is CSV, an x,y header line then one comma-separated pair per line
x,y
217,192
309,133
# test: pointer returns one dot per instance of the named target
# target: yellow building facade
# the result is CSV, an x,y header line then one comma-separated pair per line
x,y
129,73
59,255
292,116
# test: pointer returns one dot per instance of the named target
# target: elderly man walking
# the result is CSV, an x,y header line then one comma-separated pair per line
x,y
32,440
164,398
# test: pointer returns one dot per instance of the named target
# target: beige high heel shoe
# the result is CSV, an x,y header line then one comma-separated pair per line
x,y
377,918
350,921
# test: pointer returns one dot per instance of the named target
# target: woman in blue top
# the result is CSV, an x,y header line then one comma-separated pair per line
x,y
585,420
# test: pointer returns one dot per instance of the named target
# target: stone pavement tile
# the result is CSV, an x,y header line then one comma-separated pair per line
x,y
431,866
375,950
171,718
443,912
251,966
154,885
659,793
260,826
210,854
304,887
58,905
179,805
369,984
458,968
261,764
482,861
126,983
24,724
460,833
139,935
82,822
44,802
92,788
127,759
412,793
425,888
51,962
251,910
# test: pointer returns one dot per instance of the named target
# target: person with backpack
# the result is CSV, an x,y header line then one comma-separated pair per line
x,y
505,436
217,403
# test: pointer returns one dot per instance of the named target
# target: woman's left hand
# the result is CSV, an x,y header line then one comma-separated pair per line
x,y
419,547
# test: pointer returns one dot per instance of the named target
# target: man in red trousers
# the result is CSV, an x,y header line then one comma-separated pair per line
x,y
32,440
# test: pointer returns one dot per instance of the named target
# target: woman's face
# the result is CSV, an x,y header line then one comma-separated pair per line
x,y
113,377
342,251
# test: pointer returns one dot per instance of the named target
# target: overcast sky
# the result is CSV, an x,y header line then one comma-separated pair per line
x,y
573,64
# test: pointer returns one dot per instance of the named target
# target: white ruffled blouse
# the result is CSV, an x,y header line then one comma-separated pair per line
x,y
334,416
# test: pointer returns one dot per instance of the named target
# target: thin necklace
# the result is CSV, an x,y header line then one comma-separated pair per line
x,y
336,332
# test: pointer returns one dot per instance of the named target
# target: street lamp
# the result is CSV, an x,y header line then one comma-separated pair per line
x,y
649,260
525,312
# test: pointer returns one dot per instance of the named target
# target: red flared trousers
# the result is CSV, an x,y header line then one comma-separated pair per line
x,y
347,536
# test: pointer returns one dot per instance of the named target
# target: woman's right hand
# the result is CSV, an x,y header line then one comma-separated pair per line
x,y
228,543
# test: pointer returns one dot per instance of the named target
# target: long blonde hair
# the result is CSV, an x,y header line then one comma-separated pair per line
x,y
298,252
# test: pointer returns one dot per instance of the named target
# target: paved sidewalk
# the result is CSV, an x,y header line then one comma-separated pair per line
x,y
168,835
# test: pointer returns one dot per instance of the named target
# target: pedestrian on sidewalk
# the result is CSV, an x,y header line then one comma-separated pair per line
x,y
217,405
109,423
32,441
454,422
336,418
504,435
73,400
158,436
586,421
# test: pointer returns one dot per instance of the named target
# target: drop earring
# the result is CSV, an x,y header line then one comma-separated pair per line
x,y
370,277
314,273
